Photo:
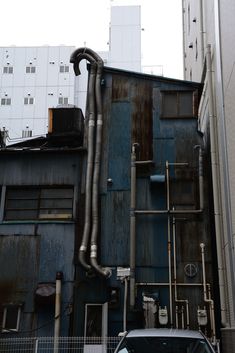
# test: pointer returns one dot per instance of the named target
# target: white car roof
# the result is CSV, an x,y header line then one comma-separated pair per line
x,y
164,332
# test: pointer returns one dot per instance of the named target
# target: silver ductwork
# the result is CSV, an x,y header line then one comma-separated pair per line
x,y
94,146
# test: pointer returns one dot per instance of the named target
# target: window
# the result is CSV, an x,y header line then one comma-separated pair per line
x,y
27,133
64,68
63,100
178,104
40,203
6,101
96,316
28,100
30,69
8,70
11,318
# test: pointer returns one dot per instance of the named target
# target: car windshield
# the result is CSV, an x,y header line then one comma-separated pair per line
x,y
164,345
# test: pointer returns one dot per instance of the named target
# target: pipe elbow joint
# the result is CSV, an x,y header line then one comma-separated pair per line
x,y
82,260
103,271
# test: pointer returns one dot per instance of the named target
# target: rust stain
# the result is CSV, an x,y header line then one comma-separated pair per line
x,y
142,120
120,88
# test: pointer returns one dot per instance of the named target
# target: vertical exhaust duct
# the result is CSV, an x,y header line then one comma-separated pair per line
x,y
95,122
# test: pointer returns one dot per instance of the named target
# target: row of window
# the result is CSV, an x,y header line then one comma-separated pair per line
x,y
32,69
31,100
38,203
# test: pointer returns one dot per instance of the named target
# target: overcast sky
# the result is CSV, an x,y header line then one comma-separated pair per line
x,y
75,22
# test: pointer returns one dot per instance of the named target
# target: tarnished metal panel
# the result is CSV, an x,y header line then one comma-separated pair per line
x,y
120,88
115,223
56,251
19,263
39,169
139,93
142,112
119,147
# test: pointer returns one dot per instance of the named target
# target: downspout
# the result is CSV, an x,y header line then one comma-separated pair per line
x,y
175,278
206,299
76,57
59,276
132,226
215,181
200,176
169,241
96,176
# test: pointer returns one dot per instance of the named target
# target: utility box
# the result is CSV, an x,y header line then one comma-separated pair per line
x,y
66,122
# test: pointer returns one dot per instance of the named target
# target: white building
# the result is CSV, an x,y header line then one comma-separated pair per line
x,y
209,56
33,79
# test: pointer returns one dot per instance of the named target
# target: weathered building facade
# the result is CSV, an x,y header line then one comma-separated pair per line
x,y
139,251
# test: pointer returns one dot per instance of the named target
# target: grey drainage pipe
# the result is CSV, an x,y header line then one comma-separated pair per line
x,y
215,185
175,278
59,276
169,241
206,299
94,157
132,226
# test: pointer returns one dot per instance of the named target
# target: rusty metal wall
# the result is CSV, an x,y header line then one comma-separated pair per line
x,y
32,252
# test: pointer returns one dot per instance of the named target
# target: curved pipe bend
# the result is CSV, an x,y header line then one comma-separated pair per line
x,y
88,54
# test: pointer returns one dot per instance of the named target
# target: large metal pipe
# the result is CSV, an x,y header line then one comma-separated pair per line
x,y
93,158
96,176
169,241
215,185
206,299
76,58
132,226
125,303
175,276
200,177
59,276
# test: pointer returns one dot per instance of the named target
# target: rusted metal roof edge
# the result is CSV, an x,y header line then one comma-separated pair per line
x,y
45,150
151,77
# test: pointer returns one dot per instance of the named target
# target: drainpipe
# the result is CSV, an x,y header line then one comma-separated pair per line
x,y
175,278
206,299
76,57
106,272
133,226
200,177
125,303
59,276
215,185
169,240
93,159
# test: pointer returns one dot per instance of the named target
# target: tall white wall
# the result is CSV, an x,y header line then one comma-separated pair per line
x,y
125,38
218,30
47,84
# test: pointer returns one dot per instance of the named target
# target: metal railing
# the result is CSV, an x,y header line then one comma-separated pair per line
x,y
60,345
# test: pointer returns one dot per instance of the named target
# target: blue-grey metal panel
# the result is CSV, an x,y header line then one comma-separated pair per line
x,y
19,263
39,169
119,146
115,223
